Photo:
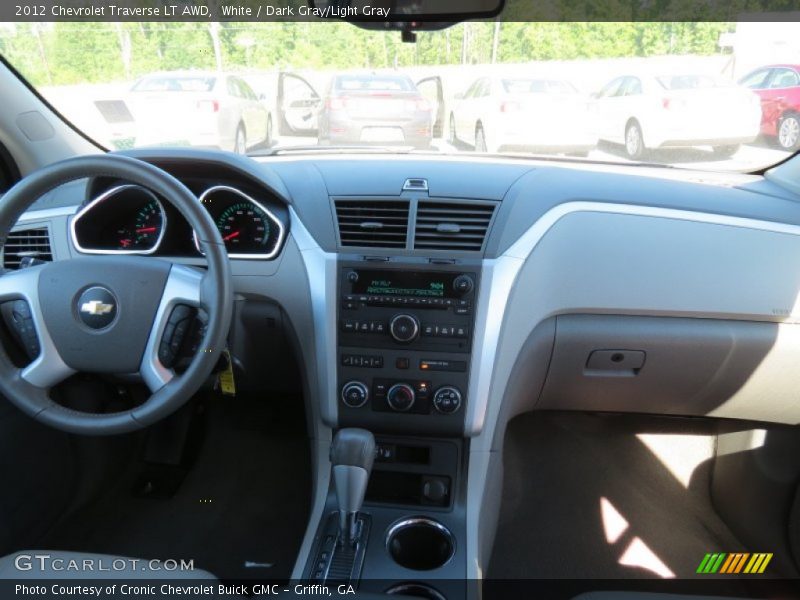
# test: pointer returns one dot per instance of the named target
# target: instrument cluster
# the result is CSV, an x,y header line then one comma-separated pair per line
x,y
130,219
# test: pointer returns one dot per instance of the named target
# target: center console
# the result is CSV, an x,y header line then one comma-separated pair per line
x,y
404,345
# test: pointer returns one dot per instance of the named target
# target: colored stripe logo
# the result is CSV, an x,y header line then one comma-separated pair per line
x,y
734,563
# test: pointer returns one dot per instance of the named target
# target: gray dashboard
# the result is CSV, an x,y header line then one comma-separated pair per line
x,y
566,239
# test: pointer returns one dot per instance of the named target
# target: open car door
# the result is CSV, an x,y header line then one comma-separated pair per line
x,y
298,106
432,90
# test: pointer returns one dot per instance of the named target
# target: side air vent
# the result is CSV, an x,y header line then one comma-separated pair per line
x,y
372,223
27,242
452,225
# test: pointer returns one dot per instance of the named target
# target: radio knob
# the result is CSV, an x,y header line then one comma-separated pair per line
x,y
352,277
447,399
400,397
355,394
404,328
463,284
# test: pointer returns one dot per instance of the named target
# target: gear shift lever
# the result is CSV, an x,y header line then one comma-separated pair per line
x,y
352,456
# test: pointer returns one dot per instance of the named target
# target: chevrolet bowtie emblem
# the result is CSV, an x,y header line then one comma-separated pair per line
x,y
96,307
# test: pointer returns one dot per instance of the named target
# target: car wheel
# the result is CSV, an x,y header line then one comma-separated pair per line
x,y
726,151
789,132
240,141
634,140
480,139
451,134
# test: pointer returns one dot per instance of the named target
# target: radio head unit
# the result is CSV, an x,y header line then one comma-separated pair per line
x,y
404,341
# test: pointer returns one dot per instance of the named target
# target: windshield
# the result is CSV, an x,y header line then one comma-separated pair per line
x,y
722,96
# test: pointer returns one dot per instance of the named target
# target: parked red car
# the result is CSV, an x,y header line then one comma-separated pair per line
x,y
778,86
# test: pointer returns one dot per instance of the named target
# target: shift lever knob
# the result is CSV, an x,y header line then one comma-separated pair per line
x,y
352,456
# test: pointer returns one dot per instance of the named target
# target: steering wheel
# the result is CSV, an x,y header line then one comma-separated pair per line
x,y
108,314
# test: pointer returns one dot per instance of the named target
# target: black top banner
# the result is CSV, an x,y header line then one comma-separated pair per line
x,y
408,13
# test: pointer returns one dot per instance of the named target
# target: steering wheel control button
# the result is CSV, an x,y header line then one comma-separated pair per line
x,y
401,397
97,307
404,328
355,394
23,327
447,400
178,324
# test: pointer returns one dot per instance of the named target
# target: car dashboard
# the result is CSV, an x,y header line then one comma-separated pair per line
x,y
430,299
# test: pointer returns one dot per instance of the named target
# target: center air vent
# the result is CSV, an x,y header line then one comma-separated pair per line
x,y
372,223
452,225
27,242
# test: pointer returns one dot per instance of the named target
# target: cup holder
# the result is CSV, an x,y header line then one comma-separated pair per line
x,y
415,590
420,544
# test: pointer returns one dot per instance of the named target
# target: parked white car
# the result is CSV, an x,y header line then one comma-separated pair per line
x,y
523,114
648,112
198,108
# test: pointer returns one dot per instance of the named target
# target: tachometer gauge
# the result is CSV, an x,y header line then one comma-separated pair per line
x,y
244,227
126,219
147,226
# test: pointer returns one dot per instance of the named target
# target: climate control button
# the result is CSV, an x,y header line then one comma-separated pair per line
x,y
401,397
404,328
447,399
355,394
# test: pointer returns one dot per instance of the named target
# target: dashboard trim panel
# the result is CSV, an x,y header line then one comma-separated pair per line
x,y
321,271
500,276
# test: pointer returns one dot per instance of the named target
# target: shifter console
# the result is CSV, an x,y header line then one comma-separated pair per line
x,y
404,343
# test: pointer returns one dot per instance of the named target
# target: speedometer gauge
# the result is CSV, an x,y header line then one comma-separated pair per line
x,y
244,227
248,228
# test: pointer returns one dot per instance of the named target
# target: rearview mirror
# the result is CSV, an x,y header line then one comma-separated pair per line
x,y
406,10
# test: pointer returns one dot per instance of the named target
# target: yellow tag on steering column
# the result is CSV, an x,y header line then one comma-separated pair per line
x,y
227,383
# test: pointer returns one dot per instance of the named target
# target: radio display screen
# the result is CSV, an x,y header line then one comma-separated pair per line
x,y
405,283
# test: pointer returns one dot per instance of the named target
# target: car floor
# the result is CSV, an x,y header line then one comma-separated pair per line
x,y
607,497
240,511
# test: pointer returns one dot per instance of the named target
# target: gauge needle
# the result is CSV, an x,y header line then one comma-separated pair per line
x,y
146,230
230,236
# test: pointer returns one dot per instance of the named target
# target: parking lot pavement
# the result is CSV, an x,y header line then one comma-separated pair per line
x,y
748,158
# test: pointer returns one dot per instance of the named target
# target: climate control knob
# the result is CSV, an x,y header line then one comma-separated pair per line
x,y
404,328
355,394
400,397
447,399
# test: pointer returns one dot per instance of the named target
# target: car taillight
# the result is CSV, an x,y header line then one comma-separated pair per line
x,y
336,104
666,103
508,107
208,105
